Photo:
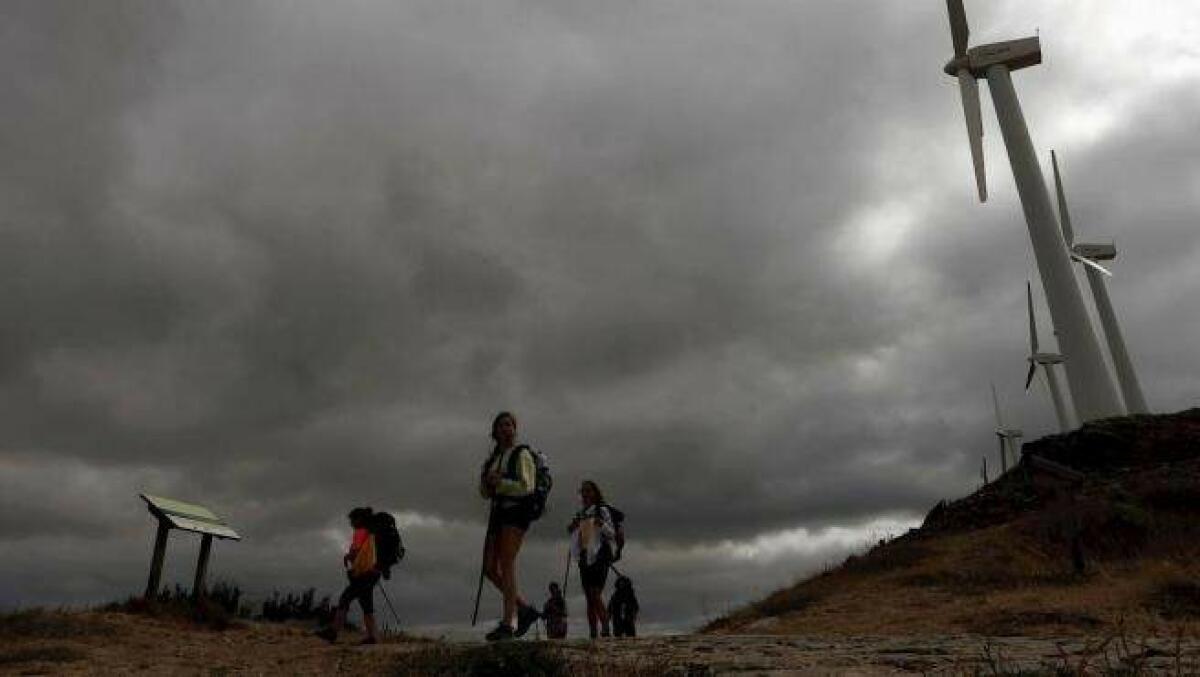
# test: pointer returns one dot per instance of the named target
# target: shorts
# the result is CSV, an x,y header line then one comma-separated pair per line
x,y
515,516
595,574
361,588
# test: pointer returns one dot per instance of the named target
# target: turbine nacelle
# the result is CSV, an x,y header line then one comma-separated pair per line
x,y
1013,54
1095,252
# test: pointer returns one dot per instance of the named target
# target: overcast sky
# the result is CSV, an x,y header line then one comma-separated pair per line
x,y
724,258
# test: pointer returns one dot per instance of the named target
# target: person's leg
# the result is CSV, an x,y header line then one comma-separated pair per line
x,y
592,596
602,613
491,562
367,601
510,540
339,615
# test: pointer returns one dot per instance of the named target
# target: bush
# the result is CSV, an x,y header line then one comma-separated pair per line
x,y
280,608
216,611
515,659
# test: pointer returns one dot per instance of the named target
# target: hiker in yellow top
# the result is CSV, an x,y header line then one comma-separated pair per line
x,y
360,564
508,478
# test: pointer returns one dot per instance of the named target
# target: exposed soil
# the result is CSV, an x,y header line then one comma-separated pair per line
x,y
123,644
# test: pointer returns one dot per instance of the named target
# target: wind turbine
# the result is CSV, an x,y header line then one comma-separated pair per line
x,y
1046,361
1007,437
1091,385
1089,254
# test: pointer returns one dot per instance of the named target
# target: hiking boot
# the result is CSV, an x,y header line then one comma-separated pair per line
x,y
501,633
327,634
526,616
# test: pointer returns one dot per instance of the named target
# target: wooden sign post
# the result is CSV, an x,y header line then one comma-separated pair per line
x,y
172,514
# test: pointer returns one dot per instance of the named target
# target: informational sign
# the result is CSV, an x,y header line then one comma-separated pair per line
x,y
189,517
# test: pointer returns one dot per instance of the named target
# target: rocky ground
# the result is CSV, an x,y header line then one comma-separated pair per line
x,y
123,644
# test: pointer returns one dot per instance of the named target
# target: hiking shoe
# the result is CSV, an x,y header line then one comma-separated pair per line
x,y
526,616
501,633
327,634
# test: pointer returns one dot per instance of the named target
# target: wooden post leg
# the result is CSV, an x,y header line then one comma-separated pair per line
x,y
160,548
202,567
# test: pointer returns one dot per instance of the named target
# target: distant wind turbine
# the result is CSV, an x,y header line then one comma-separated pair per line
x,y
1091,385
1007,437
1089,254
1046,361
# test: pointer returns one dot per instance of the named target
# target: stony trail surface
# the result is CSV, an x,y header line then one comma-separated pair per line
x,y
792,655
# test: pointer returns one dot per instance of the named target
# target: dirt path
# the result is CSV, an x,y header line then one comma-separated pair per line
x,y
111,644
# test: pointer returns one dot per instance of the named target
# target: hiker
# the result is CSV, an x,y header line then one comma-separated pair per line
x,y
623,608
360,565
508,478
554,613
593,545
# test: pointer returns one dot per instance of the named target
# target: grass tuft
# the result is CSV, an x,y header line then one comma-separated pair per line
x,y
41,654
515,659
41,624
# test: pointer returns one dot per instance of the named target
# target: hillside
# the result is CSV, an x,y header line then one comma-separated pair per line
x,y
1095,532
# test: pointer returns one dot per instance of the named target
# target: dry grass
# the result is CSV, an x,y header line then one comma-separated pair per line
x,y
42,624
1109,555
25,656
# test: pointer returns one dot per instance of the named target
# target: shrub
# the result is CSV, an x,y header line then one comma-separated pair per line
x,y
515,659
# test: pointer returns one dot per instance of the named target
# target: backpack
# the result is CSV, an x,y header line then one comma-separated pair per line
x,y
618,520
543,481
389,548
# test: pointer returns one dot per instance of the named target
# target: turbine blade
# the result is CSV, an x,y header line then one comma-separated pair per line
x,y
996,405
1089,262
1064,216
1033,341
958,26
970,97
1029,376
1002,441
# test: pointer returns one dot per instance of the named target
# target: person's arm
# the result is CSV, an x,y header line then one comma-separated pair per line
x,y
356,542
526,473
608,532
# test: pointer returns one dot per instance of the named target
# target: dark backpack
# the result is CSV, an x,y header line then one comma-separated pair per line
x,y
389,548
618,520
542,484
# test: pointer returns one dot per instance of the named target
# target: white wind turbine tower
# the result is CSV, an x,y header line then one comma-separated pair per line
x,y
1046,361
1089,254
1087,376
1007,437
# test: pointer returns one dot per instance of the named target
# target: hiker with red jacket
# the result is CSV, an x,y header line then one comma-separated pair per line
x,y
362,570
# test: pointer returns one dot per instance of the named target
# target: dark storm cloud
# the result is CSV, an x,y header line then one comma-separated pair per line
x,y
723,259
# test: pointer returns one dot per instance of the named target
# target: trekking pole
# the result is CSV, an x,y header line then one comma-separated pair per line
x,y
483,561
389,603
567,571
